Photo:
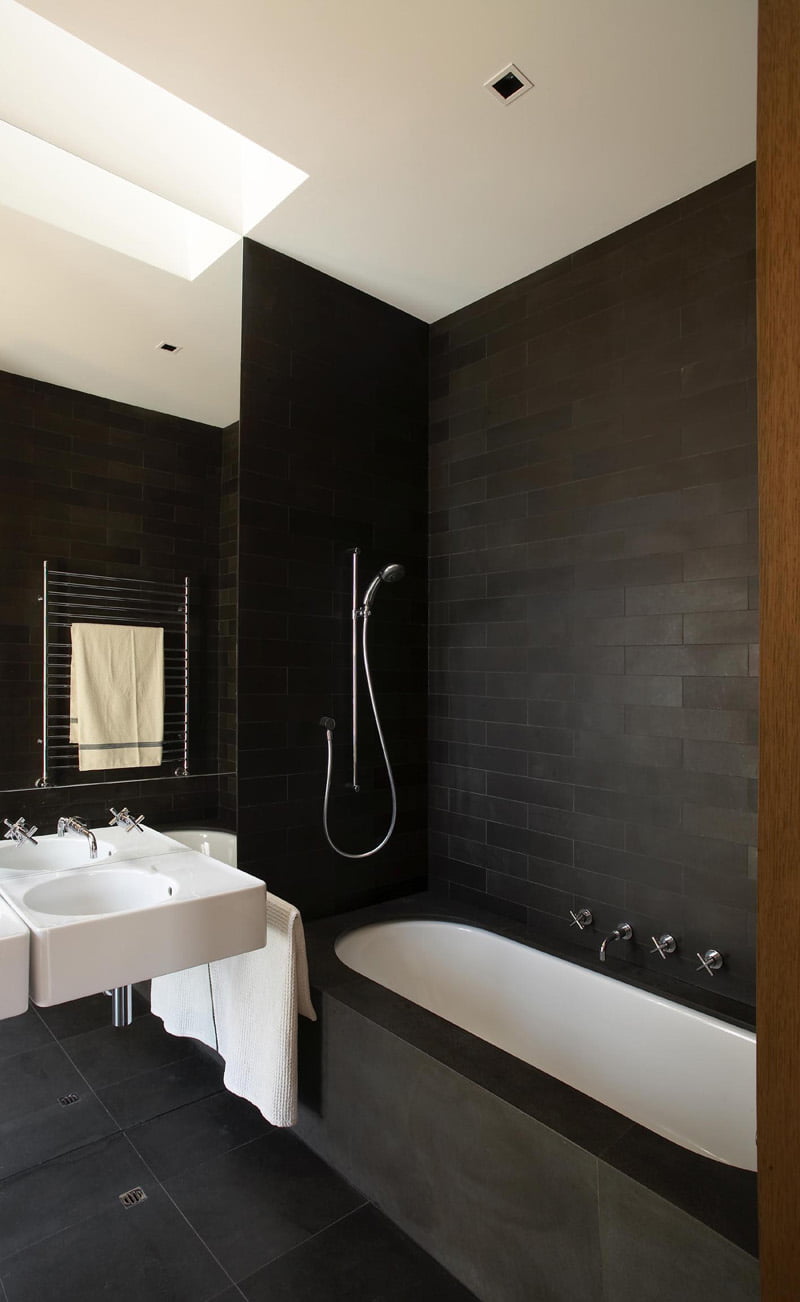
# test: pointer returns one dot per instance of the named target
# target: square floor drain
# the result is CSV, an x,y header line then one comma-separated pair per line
x,y
132,1197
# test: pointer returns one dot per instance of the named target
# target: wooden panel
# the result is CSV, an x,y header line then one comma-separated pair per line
x,y
779,470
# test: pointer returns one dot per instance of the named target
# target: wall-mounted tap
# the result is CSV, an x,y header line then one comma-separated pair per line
x,y
126,820
581,919
664,945
711,961
75,825
622,931
18,833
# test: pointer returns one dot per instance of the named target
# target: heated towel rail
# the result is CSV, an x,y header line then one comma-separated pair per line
x,y
69,597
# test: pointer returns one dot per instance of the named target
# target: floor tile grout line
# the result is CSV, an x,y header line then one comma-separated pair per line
x,y
71,1225
57,1157
299,1246
33,1008
91,1089
204,1161
143,1121
179,1210
124,1079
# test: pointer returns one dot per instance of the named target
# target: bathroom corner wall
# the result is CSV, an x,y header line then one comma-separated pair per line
x,y
594,591
332,456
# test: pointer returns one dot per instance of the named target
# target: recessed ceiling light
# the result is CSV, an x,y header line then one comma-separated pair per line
x,y
509,83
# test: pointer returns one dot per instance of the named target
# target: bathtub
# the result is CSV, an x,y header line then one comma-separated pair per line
x,y
219,845
683,1074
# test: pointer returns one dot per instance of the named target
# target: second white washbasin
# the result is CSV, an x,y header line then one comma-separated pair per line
x,y
98,890
50,854
14,942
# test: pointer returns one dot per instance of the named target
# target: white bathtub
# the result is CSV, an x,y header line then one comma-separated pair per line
x,y
219,845
685,1075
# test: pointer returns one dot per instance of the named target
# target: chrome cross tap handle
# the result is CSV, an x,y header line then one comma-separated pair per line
x,y
664,945
124,819
581,919
711,961
19,833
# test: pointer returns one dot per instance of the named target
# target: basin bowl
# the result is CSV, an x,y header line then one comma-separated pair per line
x,y
99,890
52,854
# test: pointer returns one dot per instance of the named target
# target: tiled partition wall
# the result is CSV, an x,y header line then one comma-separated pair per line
x,y
593,582
228,620
332,456
97,486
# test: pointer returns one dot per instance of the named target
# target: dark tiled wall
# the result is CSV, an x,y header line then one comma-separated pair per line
x,y
332,456
593,581
228,620
97,486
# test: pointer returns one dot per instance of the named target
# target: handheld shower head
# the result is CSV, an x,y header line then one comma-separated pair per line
x,y
389,574
392,573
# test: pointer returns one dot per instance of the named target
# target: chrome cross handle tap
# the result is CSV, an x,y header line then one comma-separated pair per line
x,y
622,931
664,945
711,961
581,919
19,833
124,819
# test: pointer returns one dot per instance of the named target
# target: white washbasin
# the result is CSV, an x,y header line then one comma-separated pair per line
x,y
152,907
14,942
51,854
98,890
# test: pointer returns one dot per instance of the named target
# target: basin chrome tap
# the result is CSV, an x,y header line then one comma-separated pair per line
x,y
75,825
126,820
18,833
623,931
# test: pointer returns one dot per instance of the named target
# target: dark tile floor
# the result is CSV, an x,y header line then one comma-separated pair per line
x,y
233,1208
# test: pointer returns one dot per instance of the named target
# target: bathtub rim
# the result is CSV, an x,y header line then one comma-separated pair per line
x,y
721,1197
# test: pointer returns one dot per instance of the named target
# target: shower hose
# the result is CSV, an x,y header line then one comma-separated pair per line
x,y
329,725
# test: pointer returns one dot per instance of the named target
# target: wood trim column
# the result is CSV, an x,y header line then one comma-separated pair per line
x,y
779,492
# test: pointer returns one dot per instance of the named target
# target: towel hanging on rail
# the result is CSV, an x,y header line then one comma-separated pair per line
x,y
117,695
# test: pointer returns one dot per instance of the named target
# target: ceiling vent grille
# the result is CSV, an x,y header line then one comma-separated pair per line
x,y
168,348
508,84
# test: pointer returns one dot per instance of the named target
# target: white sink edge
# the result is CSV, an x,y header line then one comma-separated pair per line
x,y
197,876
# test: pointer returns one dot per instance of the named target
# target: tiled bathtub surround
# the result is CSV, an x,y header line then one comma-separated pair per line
x,y
521,1186
594,591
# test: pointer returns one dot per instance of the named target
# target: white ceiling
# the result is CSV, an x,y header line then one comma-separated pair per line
x,y
423,189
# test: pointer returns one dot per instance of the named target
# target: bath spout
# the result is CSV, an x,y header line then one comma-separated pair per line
x,y
623,931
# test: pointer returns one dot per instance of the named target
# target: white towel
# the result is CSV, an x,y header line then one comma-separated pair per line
x,y
117,695
246,1008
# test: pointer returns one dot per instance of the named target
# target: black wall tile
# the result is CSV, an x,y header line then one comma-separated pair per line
x,y
592,495
332,455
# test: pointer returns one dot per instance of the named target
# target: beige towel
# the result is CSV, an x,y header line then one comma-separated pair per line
x,y
246,1008
117,695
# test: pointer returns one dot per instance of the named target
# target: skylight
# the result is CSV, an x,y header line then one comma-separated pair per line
x,y
98,150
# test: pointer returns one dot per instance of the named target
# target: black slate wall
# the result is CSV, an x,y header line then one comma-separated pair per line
x,y
228,617
97,486
593,583
332,456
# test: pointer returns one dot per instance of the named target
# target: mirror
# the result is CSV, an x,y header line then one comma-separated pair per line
x,y
119,460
